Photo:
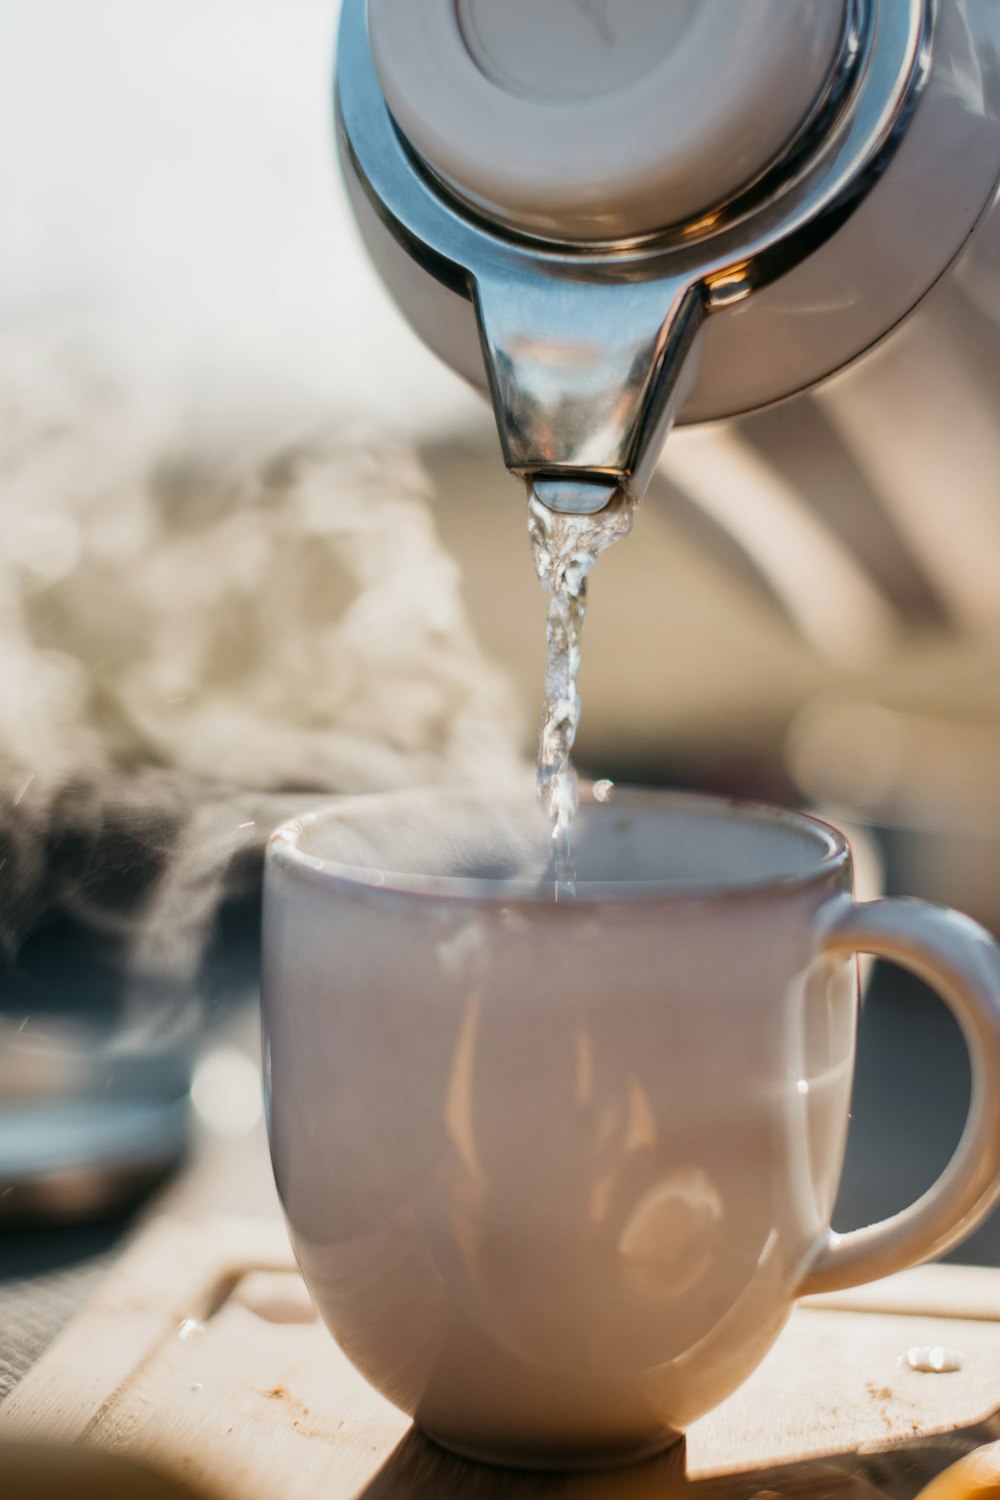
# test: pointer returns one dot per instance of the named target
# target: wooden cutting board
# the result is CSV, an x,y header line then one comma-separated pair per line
x,y
202,1354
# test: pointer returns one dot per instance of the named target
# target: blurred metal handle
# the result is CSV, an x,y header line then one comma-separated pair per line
x,y
826,592
960,960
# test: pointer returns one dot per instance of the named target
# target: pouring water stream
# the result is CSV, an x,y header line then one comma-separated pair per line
x,y
565,546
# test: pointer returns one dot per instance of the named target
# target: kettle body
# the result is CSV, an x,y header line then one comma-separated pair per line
x,y
618,215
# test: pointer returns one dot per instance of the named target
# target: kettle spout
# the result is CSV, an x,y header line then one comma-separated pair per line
x,y
587,377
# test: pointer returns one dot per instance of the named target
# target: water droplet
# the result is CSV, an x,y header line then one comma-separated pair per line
x,y
603,791
802,1086
932,1359
190,1328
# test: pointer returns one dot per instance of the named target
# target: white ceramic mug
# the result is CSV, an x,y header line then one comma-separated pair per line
x,y
556,1171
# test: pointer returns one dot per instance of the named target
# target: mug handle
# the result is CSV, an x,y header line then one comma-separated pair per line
x,y
960,960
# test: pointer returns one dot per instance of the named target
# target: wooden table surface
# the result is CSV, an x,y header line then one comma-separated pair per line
x,y
202,1354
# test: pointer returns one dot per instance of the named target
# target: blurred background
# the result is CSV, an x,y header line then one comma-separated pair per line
x,y
259,548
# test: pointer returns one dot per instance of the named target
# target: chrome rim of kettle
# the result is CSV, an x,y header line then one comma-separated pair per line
x,y
843,148
617,407
854,50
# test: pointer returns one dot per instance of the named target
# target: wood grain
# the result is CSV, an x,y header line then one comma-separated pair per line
x,y
201,1354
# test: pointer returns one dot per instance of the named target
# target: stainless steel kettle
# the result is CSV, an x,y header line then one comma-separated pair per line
x,y
621,214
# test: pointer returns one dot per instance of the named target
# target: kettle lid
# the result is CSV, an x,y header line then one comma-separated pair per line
x,y
603,119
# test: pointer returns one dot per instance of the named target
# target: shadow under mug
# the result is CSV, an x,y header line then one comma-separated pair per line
x,y
555,1171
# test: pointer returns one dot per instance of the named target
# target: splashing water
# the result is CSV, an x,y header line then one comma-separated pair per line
x,y
565,547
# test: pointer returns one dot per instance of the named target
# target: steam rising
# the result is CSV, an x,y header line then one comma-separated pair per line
x,y
196,640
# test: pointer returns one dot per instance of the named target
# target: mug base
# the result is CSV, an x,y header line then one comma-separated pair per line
x,y
554,1459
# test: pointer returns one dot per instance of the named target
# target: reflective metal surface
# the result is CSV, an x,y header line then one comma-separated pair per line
x,y
586,348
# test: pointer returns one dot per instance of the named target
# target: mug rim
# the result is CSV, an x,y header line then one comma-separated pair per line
x,y
283,852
